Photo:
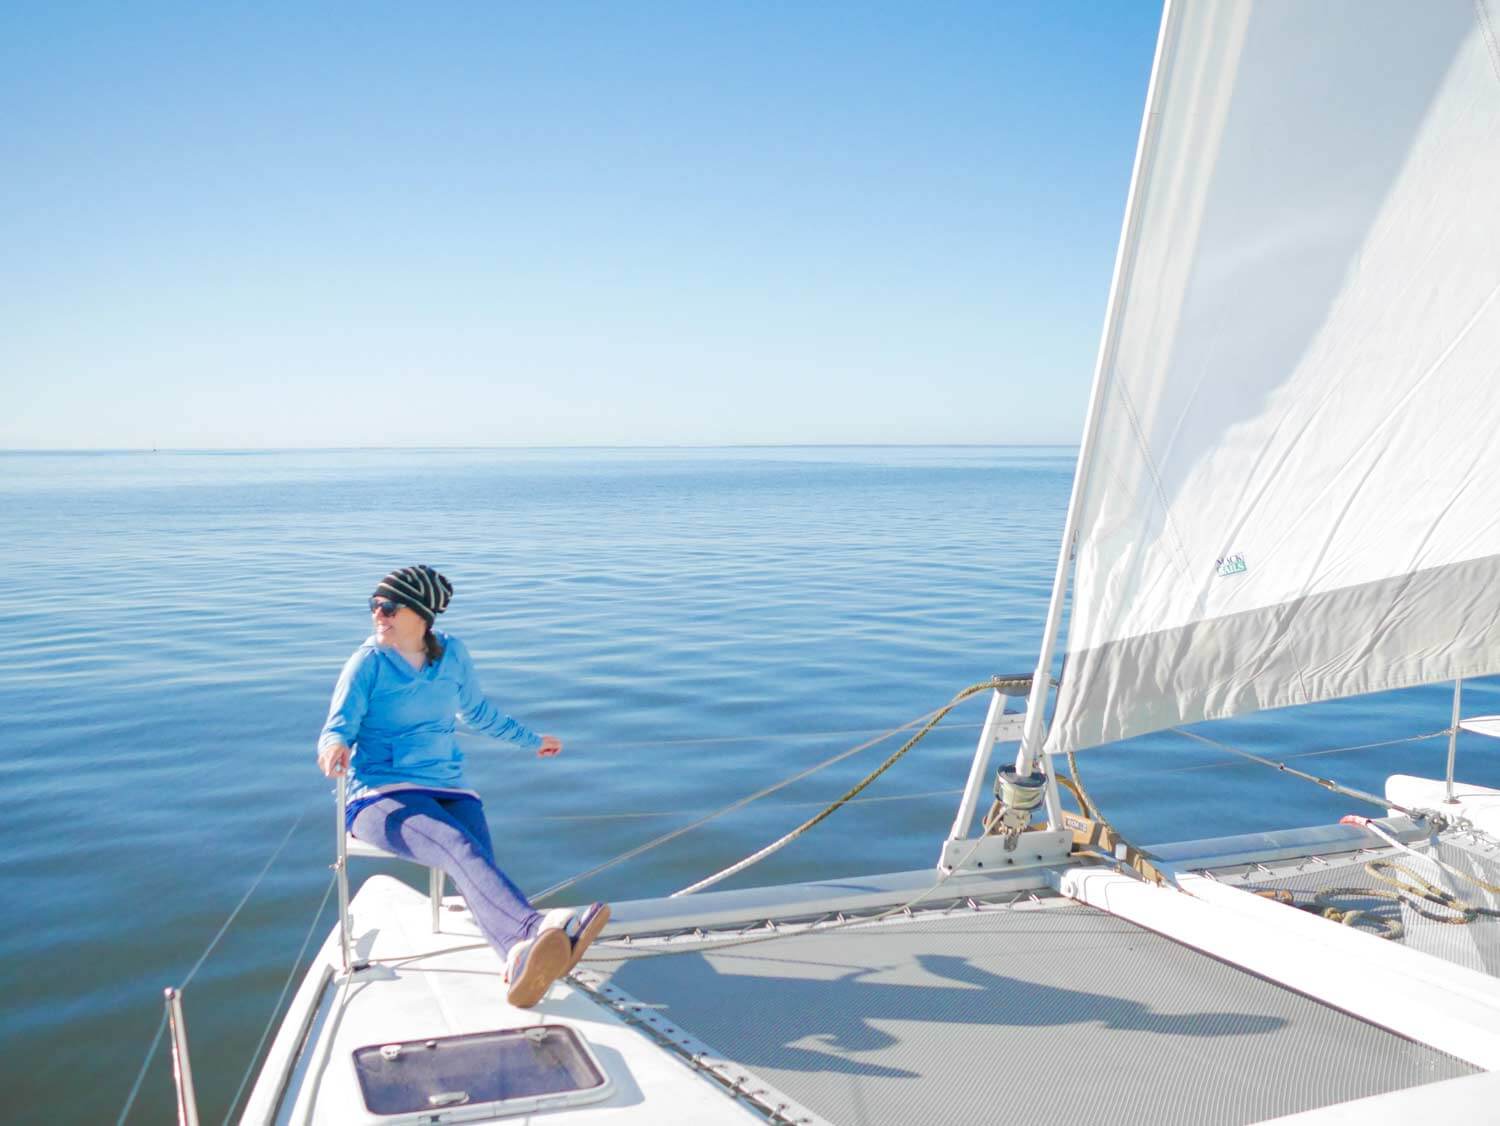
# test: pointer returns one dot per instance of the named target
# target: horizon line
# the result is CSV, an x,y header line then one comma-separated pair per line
x,y
591,446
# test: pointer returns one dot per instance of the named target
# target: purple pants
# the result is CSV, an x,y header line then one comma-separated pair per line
x,y
449,833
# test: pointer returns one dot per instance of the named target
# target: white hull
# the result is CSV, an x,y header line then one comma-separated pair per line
x,y
800,1036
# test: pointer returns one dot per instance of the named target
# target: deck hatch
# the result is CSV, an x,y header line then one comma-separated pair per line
x,y
507,1071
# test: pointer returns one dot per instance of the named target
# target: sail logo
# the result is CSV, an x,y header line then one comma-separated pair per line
x,y
1231,565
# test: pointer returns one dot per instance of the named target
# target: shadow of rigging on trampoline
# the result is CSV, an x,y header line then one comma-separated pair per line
x,y
805,1022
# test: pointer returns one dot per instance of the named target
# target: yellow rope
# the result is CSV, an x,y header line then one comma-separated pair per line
x,y
937,716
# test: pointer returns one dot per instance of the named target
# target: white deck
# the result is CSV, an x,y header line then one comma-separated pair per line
x,y
642,1017
445,985
1478,804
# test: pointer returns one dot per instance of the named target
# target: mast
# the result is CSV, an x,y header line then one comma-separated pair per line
x,y
1034,732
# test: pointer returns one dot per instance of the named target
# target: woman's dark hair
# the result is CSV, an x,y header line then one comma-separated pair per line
x,y
433,646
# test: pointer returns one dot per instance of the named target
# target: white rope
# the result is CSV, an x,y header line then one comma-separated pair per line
x,y
1385,835
276,1008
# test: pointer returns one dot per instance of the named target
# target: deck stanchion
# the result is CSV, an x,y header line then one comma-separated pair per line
x,y
1458,690
182,1070
341,866
979,769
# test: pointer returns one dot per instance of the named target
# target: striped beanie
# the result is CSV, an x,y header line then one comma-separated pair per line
x,y
419,587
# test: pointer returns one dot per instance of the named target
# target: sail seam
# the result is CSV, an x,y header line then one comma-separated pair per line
x,y
1435,612
1481,10
1169,525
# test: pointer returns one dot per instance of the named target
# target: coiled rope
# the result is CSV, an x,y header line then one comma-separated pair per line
x,y
1322,901
1405,888
1414,891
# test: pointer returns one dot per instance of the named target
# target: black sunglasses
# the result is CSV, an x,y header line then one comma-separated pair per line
x,y
385,607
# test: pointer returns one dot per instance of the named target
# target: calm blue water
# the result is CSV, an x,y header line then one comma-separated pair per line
x,y
694,624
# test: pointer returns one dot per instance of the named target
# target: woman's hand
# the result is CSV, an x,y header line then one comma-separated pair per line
x,y
551,745
333,759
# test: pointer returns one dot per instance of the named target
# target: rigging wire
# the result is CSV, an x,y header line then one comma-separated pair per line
x,y
135,1088
1072,764
1310,754
783,737
929,721
1415,893
1074,780
643,816
1091,810
1326,783
240,906
935,718
140,1076
673,834
754,940
276,1008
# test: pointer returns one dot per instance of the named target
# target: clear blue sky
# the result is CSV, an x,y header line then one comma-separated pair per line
x,y
622,223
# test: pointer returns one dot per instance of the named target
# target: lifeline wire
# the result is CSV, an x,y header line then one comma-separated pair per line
x,y
140,1076
156,1040
930,719
740,804
933,721
241,905
1310,754
1326,783
753,940
648,815
276,1008
785,737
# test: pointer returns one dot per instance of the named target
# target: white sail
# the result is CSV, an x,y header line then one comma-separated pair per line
x,y
1293,492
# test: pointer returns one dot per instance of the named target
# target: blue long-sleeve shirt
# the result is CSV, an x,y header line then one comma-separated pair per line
x,y
401,721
